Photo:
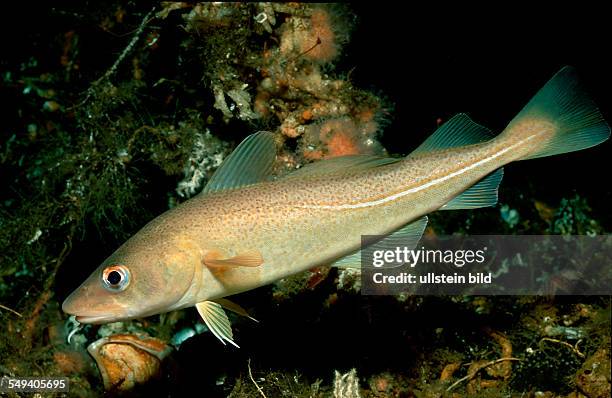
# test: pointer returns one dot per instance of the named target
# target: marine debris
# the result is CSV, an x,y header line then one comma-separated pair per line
x,y
126,360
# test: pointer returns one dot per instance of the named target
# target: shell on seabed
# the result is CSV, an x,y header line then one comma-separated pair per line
x,y
126,360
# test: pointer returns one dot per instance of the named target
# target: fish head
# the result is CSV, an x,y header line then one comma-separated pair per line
x,y
143,277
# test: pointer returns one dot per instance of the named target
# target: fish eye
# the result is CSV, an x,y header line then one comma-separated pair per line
x,y
116,277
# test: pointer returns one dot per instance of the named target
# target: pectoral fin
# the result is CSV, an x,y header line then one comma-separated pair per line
x,y
246,259
217,321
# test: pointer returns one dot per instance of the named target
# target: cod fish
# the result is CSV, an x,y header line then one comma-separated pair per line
x,y
246,230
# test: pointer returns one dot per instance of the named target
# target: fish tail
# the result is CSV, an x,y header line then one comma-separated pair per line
x,y
560,118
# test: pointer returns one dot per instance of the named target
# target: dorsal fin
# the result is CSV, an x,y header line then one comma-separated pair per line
x,y
407,236
342,163
250,163
458,131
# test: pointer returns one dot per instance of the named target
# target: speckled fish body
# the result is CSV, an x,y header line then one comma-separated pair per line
x,y
244,231
297,224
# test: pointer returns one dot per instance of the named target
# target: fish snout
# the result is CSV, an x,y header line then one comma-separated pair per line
x,y
68,306
91,306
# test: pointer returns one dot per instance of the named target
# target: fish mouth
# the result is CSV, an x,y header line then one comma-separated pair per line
x,y
93,317
85,316
83,313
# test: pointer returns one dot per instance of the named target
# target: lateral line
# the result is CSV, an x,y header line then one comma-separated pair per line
x,y
419,187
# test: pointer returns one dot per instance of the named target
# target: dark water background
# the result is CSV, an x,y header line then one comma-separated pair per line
x,y
488,62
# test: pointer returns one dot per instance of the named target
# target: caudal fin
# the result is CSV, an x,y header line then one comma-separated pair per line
x,y
560,118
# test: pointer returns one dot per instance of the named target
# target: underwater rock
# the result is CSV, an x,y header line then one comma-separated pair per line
x,y
349,279
331,117
186,333
207,153
573,217
510,216
594,377
382,383
126,360
314,37
281,71
340,137
71,361
290,286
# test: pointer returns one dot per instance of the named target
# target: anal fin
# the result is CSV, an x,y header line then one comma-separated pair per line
x,y
407,236
481,194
